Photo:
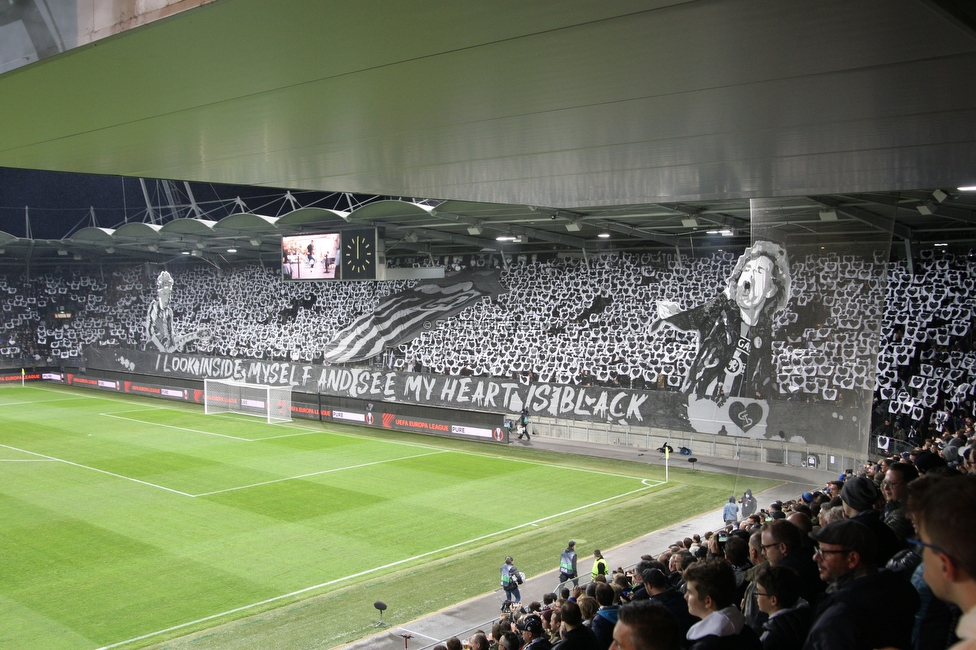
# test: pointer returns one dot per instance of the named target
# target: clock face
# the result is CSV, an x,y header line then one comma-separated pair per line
x,y
359,258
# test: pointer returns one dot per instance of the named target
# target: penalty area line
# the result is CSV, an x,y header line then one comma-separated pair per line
x,y
325,471
360,574
95,469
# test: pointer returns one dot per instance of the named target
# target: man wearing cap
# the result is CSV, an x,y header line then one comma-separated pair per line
x,y
860,496
944,509
533,633
864,608
567,565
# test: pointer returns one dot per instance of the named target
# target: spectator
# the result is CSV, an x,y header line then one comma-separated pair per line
x,y
710,594
510,641
944,509
453,643
588,608
533,633
606,616
750,608
575,635
478,641
646,625
865,608
783,546
895,489
778,593
861,496
659,590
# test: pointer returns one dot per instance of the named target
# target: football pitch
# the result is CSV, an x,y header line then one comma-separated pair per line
x,y
126,521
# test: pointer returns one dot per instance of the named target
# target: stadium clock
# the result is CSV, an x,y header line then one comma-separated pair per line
x,y
359,255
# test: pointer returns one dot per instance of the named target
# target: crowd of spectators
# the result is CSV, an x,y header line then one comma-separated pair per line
x,y
561,320
883,557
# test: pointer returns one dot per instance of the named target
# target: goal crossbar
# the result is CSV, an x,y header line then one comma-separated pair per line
x,y
228,396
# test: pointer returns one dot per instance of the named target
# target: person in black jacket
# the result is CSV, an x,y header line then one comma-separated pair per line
x,y
782,545
778,593
659,590
575,635
864,608
861,497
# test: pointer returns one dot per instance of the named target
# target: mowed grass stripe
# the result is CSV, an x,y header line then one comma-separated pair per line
x,y
110,559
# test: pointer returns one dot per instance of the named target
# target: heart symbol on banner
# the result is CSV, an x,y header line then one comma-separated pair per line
x,y
745,417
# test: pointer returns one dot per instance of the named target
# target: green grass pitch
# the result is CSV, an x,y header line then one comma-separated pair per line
x,y
126,521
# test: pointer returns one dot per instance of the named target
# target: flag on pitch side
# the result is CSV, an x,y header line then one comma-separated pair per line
x,y
401,317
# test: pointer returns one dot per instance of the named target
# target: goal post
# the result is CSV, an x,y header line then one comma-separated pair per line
x,y
229,396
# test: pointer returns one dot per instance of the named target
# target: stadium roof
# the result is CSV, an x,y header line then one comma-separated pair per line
x,y
652,121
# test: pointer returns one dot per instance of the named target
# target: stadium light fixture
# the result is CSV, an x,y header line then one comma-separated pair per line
x,y
939,196
505,238
967,188
690,222
184,252
926,208
604,235
231,250
828,215
153,248
255,242
574,226
110,250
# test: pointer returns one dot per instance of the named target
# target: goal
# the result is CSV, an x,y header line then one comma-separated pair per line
x,y
228,396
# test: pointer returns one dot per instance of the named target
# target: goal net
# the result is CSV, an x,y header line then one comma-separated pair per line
x,y
228,396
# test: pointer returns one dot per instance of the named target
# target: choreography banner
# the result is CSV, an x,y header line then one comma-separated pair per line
x,y
401,317
591,403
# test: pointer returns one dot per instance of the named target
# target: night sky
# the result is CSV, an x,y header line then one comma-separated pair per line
x,y
60,202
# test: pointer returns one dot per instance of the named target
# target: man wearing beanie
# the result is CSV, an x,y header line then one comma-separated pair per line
x,y
864,608
861,498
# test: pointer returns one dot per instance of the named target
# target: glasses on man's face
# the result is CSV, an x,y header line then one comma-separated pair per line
x,y
765,546
938,550
760,593
824,552
888,484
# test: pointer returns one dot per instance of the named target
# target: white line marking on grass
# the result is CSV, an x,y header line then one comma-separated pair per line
x,y
432,638
100,471
360,574
325,471
27,460
172,426
42,401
